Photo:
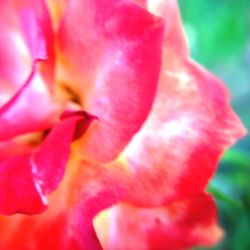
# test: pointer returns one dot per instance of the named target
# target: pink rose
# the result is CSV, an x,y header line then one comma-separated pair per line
x,y
105,118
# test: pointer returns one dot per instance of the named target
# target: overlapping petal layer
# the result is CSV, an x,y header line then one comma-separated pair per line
x,y
191,124
26,35
86,189
27,174
14,55
36,27
168,10
57,228
180,225
19,193
115,61
27,38
31,109
109,62
51,157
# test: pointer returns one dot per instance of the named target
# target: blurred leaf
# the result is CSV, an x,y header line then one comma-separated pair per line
x,y
238,158
224,198
220,30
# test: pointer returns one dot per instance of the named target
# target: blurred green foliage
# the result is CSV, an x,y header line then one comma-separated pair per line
x,y
219,38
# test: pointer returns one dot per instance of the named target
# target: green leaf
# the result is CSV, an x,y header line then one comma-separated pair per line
x,y
237,158
224,198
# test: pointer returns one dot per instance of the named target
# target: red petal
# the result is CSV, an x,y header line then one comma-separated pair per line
x,y
115,61
86,189
31,109
180,225
191,124
27,176
13,148
57,229
19,191
51,158
169,11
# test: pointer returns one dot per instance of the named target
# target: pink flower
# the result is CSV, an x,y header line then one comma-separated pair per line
x,y
105,118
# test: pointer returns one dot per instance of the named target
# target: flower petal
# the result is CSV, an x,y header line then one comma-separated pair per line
x,y
168,10
115,60
86,189
191,124
57,229
174,35
19,47
15,61
56,10
28,175
50,159
37,29
141,3
180,225
30,110
19,193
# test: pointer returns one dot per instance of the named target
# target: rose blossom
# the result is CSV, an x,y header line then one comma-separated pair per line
x,y
109,131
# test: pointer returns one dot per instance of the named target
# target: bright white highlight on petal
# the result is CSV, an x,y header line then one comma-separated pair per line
x,y
177,127
184,80
20,44
4,97
153,5
38,183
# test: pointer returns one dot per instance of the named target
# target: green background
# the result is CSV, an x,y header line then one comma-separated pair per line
x,y
219,38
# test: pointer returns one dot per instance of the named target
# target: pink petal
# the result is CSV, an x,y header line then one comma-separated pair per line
x,y
91,188
191,124
19,193
50,159
86,189
37,29
180,225
98,186
141,3
15,62
30,110
169,11
174,35
114,62
27,175
15,57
